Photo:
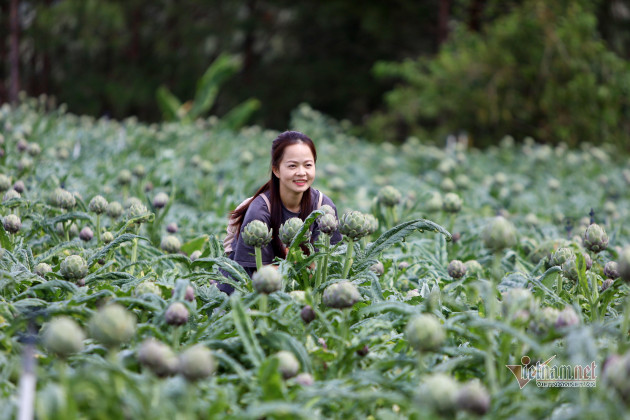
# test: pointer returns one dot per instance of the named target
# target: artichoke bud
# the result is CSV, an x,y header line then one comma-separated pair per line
x,y
624,264
434,203
172,227
267,280
98,204
288,364
499,234
544,320
611,270
73,267
567,318
371,223
5,183
10,195
160,200
176,314
606,284
107,237
114,209
473,268
86,234
570,269
124,177
341,295
595,238
147,287
257,234
289,230
158,357
170,244
517,301
137,210
139,171
42,268
378,268
12,223
389,196
63,336
327,209
425,333
352,224
456,269
474,398
439,392
307,314
328,223
196,363
62,198
113,325
452,203
615,372
195,255
304,379
560,256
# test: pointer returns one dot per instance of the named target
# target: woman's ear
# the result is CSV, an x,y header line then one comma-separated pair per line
x,y
275,172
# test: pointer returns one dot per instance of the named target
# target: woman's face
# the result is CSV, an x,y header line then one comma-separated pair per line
x,y
296,171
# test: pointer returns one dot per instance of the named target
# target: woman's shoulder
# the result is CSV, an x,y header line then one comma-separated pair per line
x,y
258,207
320,198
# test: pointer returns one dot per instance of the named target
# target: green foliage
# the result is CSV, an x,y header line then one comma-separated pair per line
x,y
541,71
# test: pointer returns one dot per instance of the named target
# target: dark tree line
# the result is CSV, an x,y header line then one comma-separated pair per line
x,y
108,57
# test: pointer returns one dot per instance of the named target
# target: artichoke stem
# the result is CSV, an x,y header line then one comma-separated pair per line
x,y
98,228
264,309
258,253
348,263
66,230
490,315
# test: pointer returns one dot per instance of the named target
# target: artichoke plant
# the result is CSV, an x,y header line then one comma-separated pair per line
x,y
352,224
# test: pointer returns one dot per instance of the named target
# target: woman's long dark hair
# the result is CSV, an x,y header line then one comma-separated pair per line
x,y
273,186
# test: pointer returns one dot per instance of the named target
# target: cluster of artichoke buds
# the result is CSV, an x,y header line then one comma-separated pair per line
x,y
195,363
289,230
62,199
257,234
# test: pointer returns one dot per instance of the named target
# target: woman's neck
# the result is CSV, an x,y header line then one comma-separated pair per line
x,y
291,202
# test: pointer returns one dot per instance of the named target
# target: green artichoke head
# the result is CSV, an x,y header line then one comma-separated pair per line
x,y
257,234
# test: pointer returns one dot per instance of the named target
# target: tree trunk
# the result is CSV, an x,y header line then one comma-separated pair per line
x,y
443,17
14,53
474,15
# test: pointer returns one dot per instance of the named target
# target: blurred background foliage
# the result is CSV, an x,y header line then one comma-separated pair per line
x,y
556,71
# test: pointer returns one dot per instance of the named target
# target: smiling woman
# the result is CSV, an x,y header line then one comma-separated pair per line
x,y
287,194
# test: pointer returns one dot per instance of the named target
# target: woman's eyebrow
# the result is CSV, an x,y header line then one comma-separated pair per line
x,y
296,161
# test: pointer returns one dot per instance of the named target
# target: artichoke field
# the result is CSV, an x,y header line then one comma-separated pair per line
x,y
458,268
